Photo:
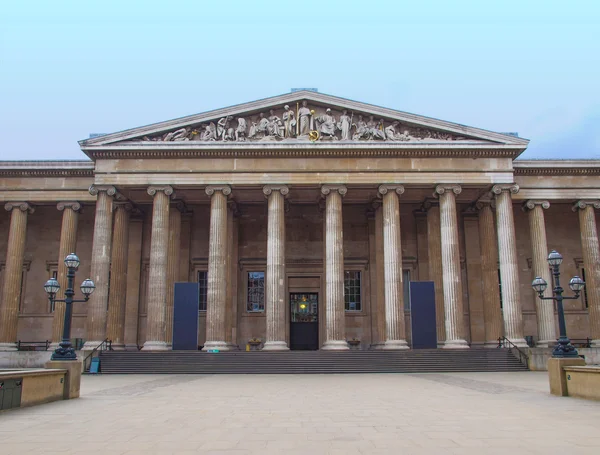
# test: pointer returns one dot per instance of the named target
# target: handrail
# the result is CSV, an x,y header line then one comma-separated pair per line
x,y
582,342
106,342
504,342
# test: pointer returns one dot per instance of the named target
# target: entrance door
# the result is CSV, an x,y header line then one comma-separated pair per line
x,y
304,323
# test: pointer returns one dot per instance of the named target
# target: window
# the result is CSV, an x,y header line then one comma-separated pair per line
x,y
584,295
256,292
352,290
406,290
202,290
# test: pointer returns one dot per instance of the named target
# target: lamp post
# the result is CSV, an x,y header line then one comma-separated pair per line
x,y
65,351
563,348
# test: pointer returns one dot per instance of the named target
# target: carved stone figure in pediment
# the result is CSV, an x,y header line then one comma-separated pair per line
x,y
289,122
344,125
224,130
210,132
390,132
275,126
362,129
405,136
375,129
240,131
178,135
304,117
326,125
263,125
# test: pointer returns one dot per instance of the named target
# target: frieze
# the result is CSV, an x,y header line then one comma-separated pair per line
x,y
301,123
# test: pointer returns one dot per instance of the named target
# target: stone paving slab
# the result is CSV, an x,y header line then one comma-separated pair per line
x,y
452,413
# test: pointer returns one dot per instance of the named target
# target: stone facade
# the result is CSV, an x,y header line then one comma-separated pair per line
x,y
349,214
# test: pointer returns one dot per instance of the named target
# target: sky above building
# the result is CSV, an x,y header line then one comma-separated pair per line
x,y
71,68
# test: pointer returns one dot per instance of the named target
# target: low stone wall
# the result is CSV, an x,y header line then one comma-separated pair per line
x,y
26,359
538,357
583,381
38,386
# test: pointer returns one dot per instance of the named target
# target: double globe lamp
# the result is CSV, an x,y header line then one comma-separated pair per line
x,y
65,351
563,348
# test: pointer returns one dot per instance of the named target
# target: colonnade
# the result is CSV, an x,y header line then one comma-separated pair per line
x,y
498,246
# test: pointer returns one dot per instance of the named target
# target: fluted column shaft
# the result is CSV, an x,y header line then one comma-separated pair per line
x,y
591,262
115,330
335,329
395,336
539,258
68,244
509,271
434,246
217,270
492,313
453,302
100,267
13,274
157,273
275,283
173,265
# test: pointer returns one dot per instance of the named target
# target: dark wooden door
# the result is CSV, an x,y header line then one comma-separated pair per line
x,y
304,322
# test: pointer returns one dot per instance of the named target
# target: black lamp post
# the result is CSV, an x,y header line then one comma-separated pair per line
x,y
65,351
563,348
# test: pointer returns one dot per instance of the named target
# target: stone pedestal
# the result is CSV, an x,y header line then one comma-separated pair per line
x,y
509,269
13,274
492,314
557,377
591,262
73,377
217,270
157,275
335,327
539,256
68,244
434,250
395,337
275,278
453,304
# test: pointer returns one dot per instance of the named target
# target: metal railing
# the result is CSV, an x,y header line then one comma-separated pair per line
x,y
33,345
106,345
504,342
581,342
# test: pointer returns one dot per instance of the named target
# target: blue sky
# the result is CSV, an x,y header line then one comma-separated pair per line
x,y
70,68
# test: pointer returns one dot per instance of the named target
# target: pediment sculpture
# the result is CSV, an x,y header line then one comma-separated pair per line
x,y
302,124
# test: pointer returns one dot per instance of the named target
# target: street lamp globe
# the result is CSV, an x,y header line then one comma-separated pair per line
x,y
72,261
51,287
87,287
576,284
555,258
539,285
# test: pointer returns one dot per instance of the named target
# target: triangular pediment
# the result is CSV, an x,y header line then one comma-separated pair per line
x,y
299,117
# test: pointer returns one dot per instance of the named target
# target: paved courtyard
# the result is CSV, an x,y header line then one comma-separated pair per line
x,y
474,413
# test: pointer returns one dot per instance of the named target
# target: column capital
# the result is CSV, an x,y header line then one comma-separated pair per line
x,y
110,190
383,189
583,203
447,187
22,206
234,207
326,189
485,201
531,203
167,189
513,188
179,204
225,189
283,189
73,205
127,206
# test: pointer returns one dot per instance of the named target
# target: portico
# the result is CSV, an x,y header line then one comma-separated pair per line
x,y
255,215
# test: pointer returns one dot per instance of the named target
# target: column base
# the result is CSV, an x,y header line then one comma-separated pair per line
x,y
275,346
155,346
216,345
8,346
595,343
335,345
490,344
456,344
91,345
118,347
520,342
390,345
545,344
53,346
377,346
131,347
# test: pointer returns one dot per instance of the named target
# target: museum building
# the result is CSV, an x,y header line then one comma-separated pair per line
x,y
302,218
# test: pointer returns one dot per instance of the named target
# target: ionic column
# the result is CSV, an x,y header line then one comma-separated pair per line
x,y
434,246
335,327
395,336
68,244
174,250
275,284
100,267
115,330
509,270
492,314
539,249
453,303
13,274
591,263
157,273
217,270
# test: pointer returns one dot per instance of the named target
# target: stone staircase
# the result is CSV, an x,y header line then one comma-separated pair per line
x,y
309,362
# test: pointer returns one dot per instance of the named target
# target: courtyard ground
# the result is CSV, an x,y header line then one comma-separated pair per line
x,y
466,413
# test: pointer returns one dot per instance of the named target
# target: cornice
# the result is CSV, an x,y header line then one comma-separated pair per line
x,y
47,168
556,167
